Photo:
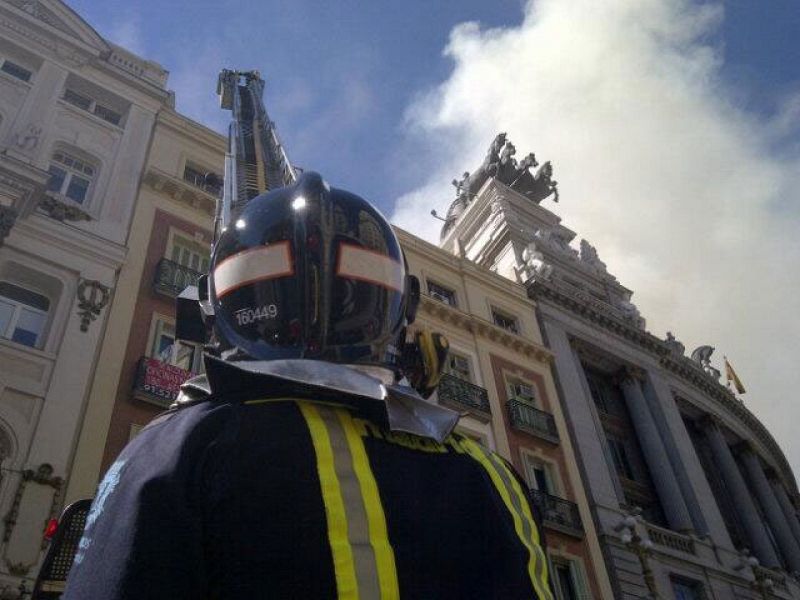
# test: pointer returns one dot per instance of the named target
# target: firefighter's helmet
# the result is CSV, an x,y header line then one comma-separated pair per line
x,y
310,271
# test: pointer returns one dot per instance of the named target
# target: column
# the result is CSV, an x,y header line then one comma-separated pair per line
x,y
669,491
734,482
772,510
658,407
787,507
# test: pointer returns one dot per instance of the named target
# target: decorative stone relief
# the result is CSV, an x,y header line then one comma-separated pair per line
x,y
61,211
8,217
28,138
32,501
92,297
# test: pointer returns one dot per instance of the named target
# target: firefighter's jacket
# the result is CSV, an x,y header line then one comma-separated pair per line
x,y
246,494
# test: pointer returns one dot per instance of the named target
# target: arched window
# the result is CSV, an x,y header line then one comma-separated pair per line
x,y
71,176
23,314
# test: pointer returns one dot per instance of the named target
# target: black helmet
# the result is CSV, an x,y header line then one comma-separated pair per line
x,y
310,271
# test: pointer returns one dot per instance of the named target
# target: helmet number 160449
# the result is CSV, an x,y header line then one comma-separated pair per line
x,y
246,316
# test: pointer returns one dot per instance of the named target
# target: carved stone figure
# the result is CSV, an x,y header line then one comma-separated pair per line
x,y
676,347
589,256
702,356
501,164
534,264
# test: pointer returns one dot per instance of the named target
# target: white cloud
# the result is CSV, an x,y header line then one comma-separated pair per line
x,y
690,200
127,32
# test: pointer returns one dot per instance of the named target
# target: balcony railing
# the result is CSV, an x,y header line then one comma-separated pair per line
x,y
158,382
461,394
557,513
670,539
171,278
532,420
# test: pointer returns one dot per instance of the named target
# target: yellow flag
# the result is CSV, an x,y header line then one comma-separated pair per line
x,y
731,376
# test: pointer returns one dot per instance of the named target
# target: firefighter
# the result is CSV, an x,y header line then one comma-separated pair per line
x,y
305,463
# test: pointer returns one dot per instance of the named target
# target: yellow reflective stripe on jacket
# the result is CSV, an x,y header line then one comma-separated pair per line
x,y
378,533
517,505
344,568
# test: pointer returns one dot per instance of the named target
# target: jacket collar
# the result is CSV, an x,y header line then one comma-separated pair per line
x,y
396,407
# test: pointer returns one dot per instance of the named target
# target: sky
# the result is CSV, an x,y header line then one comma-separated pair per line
x,y
673,127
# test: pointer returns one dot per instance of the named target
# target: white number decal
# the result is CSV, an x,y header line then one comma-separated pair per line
x,y
246,316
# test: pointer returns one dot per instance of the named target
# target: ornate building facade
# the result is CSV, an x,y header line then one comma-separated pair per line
x,y
690,494
76,115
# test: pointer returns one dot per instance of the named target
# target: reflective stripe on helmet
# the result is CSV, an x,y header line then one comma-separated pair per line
x,y
366,265
255,264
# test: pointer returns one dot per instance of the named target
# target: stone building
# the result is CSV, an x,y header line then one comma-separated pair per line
x,y
76,114
169,247
691,495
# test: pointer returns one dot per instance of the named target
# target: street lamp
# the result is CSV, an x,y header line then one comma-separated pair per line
x,y
642,547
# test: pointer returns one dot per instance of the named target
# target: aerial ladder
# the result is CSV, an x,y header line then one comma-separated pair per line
x,y
255,162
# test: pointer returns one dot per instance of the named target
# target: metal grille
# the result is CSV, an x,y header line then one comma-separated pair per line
x,y
463,394
537,422
558,513
171,278
61,553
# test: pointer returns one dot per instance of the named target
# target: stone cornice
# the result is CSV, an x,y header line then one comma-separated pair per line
x,y
88,246
681,366
484,329
591,310
184,125
181,191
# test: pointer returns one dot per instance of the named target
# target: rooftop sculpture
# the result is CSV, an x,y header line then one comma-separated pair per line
x,y
501,165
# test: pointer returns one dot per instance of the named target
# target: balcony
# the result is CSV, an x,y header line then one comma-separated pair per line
x,y
558,514
158,382
463,395
171,278
525,417
670,539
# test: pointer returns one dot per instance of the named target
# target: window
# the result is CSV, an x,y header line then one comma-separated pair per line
x,y
189,253
567,579
441,293
686,589
458,366
23,314
522,391
505,321
89,104
620,457
184,355
538,475
15,70
70,176
198,177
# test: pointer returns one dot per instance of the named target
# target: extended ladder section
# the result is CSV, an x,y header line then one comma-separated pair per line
x,y
256,160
